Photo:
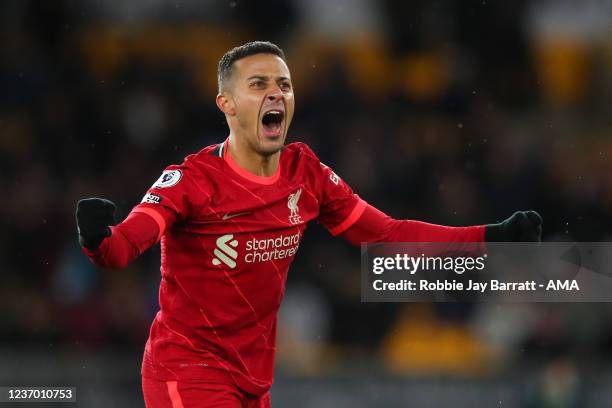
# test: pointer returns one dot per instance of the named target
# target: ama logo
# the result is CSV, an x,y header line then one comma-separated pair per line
x,y
225,252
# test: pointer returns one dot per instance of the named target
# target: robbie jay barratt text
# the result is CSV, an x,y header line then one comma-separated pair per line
x,y
472,285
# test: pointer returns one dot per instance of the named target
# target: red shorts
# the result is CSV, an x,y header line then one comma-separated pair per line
x,y
194,394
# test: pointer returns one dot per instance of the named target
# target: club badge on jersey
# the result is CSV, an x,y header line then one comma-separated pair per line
x,y
292,204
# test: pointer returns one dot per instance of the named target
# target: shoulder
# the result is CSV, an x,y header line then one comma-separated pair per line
x,y
208,155
302,163
197,162
300,152
192,167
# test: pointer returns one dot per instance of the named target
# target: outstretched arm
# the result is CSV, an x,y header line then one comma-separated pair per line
x,y
375,226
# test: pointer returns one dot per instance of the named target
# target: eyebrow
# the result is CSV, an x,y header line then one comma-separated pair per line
x,y
266,78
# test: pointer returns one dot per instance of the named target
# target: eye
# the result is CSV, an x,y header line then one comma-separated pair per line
x,y
285,86
258,84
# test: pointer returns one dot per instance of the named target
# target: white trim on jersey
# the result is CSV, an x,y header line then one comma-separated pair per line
x,y
221,147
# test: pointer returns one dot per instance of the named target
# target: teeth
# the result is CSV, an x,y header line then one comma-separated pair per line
x,y
275,112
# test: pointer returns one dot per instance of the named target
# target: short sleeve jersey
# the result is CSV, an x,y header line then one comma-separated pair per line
x,y
228,240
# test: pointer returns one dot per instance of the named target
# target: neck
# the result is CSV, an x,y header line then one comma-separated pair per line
x,y
250,160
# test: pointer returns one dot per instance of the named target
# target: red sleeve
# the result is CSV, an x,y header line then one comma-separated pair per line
x,y
171,198
376,226
129,239
339,206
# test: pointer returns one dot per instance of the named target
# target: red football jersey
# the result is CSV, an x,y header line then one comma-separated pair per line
x,y
229,238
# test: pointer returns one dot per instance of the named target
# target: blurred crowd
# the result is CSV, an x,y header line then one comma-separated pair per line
x,y
449,112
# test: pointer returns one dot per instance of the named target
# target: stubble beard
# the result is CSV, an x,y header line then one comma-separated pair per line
x,y
258,147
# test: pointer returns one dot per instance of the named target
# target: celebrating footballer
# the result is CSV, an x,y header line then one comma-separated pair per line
x,y
229,220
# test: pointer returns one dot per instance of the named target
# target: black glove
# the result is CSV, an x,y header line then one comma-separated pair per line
x,y
93,217
522,226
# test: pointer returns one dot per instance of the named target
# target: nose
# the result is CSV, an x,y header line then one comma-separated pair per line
x,y
275,93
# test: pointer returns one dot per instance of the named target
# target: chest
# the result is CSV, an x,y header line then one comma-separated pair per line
x,y
245,208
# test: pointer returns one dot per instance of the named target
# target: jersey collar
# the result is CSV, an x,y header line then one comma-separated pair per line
x,y
267,180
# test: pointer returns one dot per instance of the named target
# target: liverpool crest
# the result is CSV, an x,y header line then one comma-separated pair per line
x,y
292,204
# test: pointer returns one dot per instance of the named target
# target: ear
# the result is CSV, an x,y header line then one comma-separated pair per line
x,y
225,104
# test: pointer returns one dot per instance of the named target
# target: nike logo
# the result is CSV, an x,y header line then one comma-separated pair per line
x,y
229,216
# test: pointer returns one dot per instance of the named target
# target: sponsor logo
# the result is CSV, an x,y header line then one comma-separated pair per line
x,y
333,177
271,249
168,178
292,204
230,216
225,252
256,250
151,199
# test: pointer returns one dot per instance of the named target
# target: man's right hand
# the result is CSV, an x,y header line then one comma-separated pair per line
x,y
93,217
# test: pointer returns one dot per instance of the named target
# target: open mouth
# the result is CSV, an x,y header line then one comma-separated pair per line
x,y
272,122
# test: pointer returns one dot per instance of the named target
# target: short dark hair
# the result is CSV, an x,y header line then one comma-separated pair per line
x,y
226,63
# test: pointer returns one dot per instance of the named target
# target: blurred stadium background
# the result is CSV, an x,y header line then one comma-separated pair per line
x,y
455,112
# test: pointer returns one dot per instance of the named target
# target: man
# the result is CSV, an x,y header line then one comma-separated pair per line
x,y
230,219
